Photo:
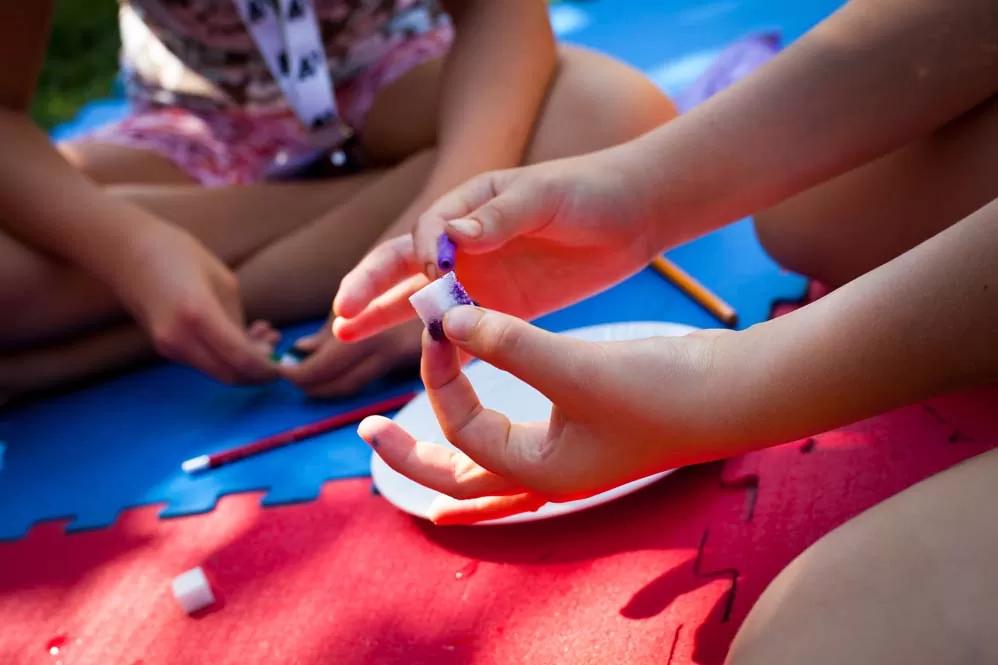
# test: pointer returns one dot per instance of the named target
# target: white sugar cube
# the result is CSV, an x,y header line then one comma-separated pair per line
x,y
434,300
192,591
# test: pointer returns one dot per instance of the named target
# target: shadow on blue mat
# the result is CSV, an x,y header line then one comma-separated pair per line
x,y
89,454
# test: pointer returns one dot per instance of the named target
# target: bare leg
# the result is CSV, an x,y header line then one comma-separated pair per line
x,y
910,582
850,225
110,164
594,103
296,277
107,350
52,299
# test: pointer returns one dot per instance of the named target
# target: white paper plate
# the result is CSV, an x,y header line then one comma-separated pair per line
x,y
505,393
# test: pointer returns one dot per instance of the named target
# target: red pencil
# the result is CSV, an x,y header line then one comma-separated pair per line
x,y
204,462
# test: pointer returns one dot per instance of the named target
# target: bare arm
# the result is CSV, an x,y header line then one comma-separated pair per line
x,y
919,326
870,78
183,295
494,82
43,199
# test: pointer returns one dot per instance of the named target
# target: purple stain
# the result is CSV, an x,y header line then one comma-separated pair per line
x,y
460,296
434,300
436,328
374,442
445,253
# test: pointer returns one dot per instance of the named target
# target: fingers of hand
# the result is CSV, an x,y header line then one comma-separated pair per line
x,y
329,362
456,204
385,311
386,265
445,511
556,365
353,379
442,469
191,352
233,347
264,336
481,433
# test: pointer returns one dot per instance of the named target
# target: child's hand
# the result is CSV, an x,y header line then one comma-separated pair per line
x,y
621,411
189,303
335,369
530,240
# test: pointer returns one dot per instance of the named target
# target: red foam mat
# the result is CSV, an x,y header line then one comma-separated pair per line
x,y
347,579
663,576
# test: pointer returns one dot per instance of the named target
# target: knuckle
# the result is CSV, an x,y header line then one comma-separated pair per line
x,y
502,337
457,432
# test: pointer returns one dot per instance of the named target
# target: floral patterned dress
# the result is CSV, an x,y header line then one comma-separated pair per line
x,y
204,98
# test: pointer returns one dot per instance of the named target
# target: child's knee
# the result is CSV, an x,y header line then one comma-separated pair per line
x,y
596,102
623,101
879,590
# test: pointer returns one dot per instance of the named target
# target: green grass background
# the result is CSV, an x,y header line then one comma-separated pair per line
x,y
81,61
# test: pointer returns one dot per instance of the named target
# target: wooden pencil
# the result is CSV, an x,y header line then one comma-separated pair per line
x,y
205,462
696,291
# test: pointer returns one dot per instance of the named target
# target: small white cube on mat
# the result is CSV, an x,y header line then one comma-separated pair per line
x,y
192,591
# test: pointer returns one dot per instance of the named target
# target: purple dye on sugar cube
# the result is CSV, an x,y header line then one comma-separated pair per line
x,y
436,299
458,293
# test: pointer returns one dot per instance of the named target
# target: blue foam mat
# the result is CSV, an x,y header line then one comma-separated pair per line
x,y
89,454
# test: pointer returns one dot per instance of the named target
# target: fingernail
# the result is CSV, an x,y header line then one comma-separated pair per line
x,y
461,321
430,270
471,228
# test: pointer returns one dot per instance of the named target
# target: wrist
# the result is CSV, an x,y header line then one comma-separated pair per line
x,y
728,399
119,237
642,176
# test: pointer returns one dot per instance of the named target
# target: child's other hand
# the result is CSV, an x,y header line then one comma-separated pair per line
x,y
189,303
621,411
530,240
335,369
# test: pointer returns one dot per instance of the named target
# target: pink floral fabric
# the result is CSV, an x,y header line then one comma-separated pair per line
x,y
204,99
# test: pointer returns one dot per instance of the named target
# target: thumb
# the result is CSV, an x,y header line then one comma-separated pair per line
x,y
556,365
482,215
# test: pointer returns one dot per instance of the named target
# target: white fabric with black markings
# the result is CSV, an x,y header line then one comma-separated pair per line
x,y
287,34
